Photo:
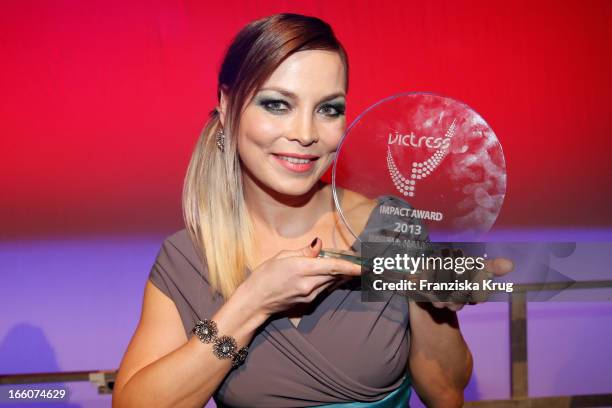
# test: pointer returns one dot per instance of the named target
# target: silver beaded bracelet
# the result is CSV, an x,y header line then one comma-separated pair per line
x,y
224,347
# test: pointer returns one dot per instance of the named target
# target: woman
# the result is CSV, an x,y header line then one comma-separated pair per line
x,y
232,310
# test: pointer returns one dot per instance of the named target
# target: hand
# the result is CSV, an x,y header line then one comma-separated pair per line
x,y
295,276
493,267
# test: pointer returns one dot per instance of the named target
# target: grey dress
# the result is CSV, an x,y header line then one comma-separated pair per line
x,y
343,350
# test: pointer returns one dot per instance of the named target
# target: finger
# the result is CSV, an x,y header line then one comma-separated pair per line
x,y
455,307
316,292
499,266
303,286
323,284
332,266
461,296
311,250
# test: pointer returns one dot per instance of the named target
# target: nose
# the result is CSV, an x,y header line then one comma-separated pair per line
x,y
305,130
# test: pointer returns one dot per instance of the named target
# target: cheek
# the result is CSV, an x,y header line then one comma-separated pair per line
x,y
256,128
332,133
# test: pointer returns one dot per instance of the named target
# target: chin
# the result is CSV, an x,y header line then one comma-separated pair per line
x,y
294,189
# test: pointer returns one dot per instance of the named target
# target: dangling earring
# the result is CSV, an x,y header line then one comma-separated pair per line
x,y
220,139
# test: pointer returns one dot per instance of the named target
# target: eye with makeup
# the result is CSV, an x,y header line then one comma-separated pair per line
x,y
278,106
333,110
273,105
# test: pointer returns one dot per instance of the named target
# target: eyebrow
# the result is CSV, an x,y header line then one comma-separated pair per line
x,y
290,94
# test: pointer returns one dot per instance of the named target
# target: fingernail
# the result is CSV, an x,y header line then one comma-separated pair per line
x,y
314,242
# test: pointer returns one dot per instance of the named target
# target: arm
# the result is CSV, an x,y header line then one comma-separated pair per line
x,y
162,368
439,362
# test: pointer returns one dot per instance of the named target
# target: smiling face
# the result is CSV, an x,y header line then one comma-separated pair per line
x,y
290,130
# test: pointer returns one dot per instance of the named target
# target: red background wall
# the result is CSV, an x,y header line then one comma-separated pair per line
x,y
102,101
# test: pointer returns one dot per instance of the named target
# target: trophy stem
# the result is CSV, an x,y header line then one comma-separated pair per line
x,y
346,255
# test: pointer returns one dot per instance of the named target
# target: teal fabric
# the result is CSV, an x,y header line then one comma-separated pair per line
x,y
399,398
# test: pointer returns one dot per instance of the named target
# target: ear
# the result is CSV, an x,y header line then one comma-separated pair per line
x,y
222,104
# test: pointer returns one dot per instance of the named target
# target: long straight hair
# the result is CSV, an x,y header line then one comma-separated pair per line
x,y
214,209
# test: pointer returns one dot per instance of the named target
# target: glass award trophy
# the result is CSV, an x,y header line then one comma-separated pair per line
x,y
419,167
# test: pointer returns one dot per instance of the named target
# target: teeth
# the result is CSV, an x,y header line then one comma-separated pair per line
x,y
294,160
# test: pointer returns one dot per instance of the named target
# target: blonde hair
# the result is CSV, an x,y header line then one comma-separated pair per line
x,y
214,210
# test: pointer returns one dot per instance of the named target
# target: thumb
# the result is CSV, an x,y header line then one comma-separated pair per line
x,y
313,249
500,266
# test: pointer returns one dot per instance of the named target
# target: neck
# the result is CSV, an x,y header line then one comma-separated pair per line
x,y
282,215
